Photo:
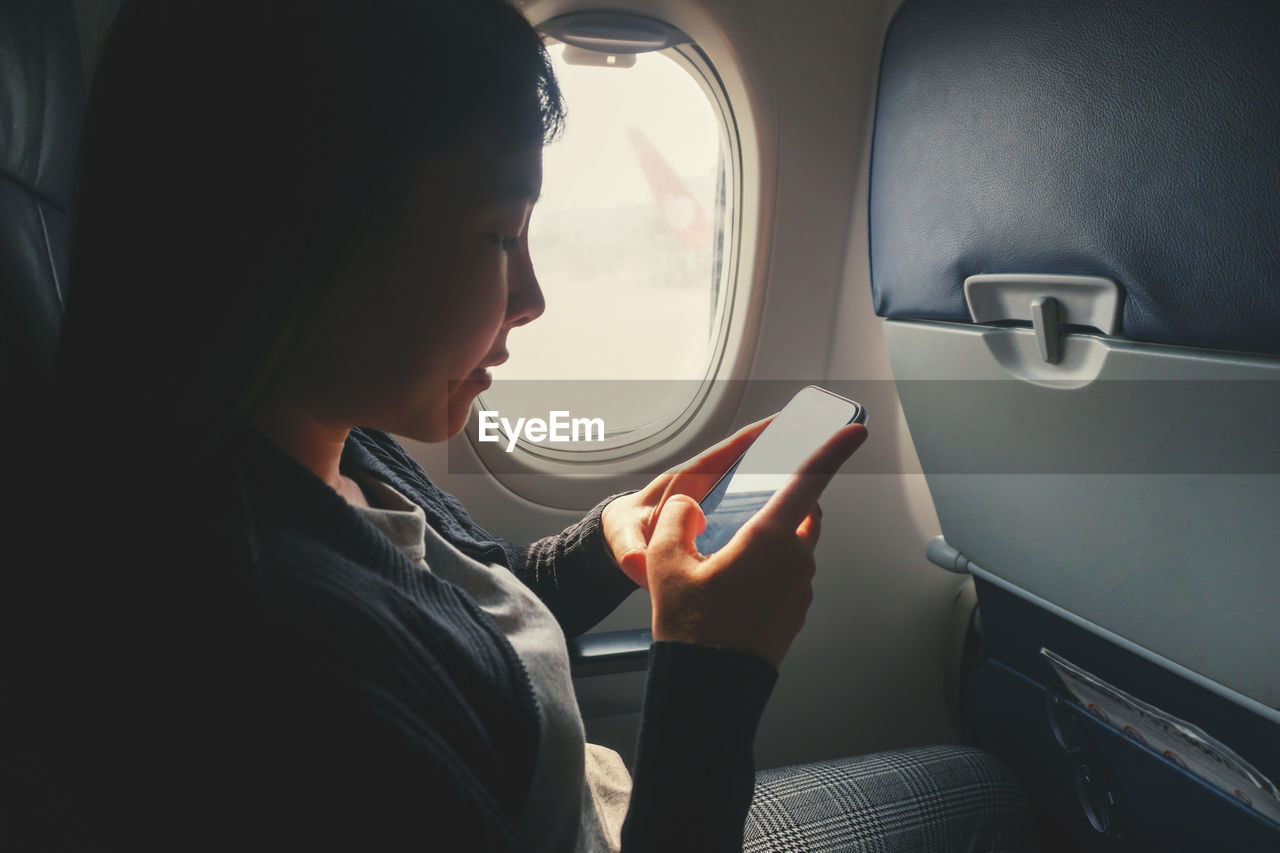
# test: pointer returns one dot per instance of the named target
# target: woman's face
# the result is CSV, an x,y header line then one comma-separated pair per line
x,y
426,305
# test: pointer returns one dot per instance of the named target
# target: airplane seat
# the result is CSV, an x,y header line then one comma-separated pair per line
x,y
41,107
1075,247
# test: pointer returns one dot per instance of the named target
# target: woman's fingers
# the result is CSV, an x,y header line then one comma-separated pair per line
x,y
752,594
718,458
629,521
677,529
624,522
697,476
791,504
811,528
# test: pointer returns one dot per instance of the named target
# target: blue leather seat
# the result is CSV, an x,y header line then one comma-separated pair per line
x,y
1133,140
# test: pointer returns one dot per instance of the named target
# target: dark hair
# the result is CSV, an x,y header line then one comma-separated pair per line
x,y
234,153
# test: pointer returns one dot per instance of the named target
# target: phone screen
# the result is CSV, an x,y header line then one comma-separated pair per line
x,y
812,416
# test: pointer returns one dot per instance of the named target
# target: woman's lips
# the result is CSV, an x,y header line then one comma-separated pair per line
x,y
500,358
482,374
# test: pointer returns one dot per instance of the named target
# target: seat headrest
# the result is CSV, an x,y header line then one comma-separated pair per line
x,y
41,102
1135,141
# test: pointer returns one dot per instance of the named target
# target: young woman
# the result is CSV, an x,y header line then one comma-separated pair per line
x,y
302,226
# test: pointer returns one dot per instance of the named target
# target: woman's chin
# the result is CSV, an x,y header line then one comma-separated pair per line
x,y
462,393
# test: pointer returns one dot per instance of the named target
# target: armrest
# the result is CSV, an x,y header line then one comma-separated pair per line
x,y
609,652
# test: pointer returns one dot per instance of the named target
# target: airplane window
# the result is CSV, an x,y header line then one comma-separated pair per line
x,y
628,242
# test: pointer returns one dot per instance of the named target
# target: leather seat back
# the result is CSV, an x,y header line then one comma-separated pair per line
x,y
41,106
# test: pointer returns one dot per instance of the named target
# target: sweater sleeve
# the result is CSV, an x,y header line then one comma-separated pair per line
x,y
694,770
575,574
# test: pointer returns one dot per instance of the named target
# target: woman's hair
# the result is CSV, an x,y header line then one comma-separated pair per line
x,y
234,154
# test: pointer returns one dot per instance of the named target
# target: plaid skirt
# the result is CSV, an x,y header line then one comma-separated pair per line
x,y
935,799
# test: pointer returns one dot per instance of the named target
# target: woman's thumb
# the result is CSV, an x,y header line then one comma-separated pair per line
x,y
679,523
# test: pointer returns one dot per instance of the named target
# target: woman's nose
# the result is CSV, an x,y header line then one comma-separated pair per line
x,y
525,302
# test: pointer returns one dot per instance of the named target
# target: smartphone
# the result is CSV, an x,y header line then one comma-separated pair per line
x,y
813,416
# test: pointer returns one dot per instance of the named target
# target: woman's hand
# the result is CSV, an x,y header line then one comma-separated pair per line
x,y
752,594
628,522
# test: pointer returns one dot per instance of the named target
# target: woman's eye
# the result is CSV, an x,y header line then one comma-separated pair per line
x,y
505,242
